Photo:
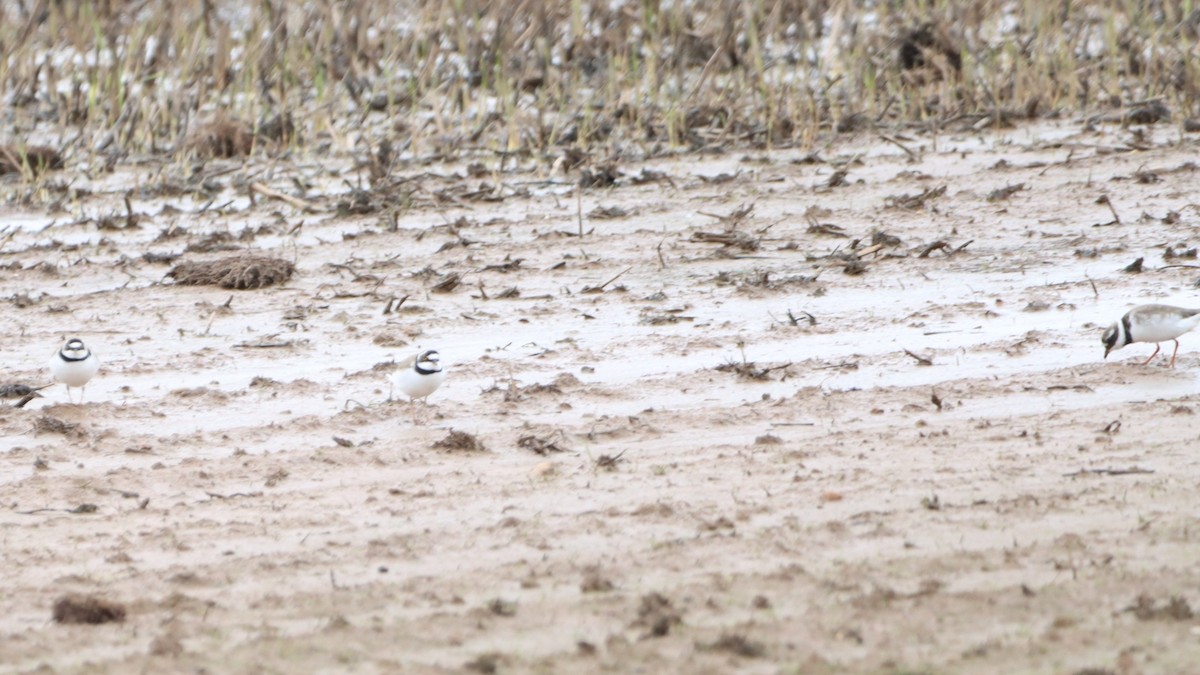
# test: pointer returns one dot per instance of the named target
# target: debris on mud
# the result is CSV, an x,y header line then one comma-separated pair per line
x,y
87,609
53,425
38,158
18,390
912,202
605,175
460,441
502,607
241,272
485,663
595,582
1134,267
748,370
543,446
1175,609
446,283
1149,112
1000,194
739,645
221,137
609,462
729,239
657,615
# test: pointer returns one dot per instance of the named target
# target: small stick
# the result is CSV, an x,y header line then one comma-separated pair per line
x,y
579,207
598,289
921,360
868,251
287,199
1109,472
1108,202
911,155
704,74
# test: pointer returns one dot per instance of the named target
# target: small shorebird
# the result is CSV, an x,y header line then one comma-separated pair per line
x,y
421,376
1150,323
74,365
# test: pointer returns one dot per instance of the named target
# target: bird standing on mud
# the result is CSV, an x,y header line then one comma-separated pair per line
x,y
422,376
1150,323
74,365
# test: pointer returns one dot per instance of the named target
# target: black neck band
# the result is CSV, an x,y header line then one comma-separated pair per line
x,y
424,371
73,359
1126,326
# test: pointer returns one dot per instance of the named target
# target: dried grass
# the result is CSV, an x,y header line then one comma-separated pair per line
x,y
221,137
240,272
87,609
460,441
36,159
584,79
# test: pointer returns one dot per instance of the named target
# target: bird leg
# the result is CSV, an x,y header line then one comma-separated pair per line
x,y
1152,355
1174,352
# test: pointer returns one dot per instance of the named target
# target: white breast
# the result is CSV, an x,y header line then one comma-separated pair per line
x,y
416,385
74,373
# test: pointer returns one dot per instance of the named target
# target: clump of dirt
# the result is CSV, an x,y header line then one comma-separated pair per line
x,y
221,137
53,425
241,272
740,645
17,390
595,582
38,158
89,609
543,445
460,441
1175,609
657,615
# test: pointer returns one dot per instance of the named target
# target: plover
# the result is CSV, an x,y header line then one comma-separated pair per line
x,y
74,365
421,376
1151,323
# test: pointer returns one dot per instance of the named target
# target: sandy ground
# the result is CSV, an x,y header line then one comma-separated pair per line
x,y
740,469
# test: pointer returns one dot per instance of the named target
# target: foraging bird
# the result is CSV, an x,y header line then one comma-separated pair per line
x,y
1151,323
74,365
422,377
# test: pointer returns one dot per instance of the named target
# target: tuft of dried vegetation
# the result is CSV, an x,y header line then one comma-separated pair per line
x,y
460,441
33,159
53,425
221,137
241,272
87,609
587,82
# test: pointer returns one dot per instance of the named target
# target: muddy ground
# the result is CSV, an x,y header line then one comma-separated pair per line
x,y
807,438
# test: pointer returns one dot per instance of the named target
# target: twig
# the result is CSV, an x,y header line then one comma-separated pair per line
x,y
287,199
1108,202
795,320
1109,472
600,288
704,74
579,207
921,360
217,495
911,155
